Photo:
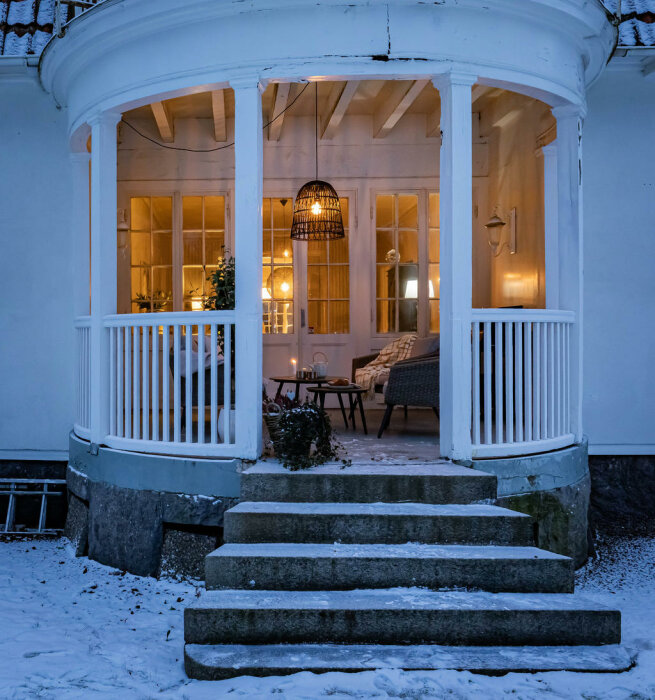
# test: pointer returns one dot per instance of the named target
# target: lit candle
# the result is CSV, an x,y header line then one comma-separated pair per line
x,y
293,366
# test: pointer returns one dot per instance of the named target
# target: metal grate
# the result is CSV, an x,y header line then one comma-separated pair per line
x,y
35,518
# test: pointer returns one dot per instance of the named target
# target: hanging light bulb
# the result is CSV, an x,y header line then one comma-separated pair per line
x,y
317,211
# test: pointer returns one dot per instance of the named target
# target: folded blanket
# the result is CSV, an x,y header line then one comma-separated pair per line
x,y
367,377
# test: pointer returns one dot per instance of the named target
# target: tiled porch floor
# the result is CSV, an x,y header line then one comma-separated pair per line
x,y
413,439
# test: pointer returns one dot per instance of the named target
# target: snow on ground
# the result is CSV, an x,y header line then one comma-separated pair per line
x,y
72,628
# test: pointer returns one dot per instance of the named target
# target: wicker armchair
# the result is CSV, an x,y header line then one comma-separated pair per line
x,y
412,382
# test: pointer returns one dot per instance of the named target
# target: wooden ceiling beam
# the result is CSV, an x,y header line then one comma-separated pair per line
x,y
164,121
340,97
399,102
218,114
279,105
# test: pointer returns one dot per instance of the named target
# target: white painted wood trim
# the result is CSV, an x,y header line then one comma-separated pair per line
x,y
248,186
456,260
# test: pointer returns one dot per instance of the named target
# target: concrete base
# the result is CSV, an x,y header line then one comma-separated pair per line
x,y
554,489
209,662
127,502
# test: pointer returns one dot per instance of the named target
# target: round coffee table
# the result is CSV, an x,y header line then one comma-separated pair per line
x,y
281,381
354,394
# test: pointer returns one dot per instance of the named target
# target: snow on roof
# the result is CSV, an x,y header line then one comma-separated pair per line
x,y
637,26
26,25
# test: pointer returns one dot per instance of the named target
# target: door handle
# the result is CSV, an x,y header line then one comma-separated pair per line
x,y
302,318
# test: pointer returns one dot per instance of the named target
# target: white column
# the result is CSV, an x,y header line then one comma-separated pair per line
x,y
569,217
81,241
103,262
248,192
549,154
456,254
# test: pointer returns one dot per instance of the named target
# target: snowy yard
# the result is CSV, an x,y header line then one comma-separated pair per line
x,y
75,629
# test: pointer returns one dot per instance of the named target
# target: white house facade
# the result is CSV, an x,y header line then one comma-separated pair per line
x,y
141,140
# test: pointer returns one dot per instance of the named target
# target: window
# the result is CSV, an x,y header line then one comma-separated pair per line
x,y
407,263
396,259
174,244
151,254
434,275
277,271
203,243
328,282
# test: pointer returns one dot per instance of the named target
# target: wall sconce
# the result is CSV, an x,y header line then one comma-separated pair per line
x,y
495,227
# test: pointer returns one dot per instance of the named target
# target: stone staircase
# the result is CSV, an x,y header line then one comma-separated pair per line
x,y
395,566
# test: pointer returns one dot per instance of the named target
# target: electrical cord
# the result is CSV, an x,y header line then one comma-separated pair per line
x,y
218,148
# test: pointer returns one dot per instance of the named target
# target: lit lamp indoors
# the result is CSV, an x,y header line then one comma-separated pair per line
x,y
316,211
495,227
411,289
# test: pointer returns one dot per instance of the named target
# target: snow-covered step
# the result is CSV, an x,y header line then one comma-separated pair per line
x,y
294,566
440,482
399,616
388,523
216,662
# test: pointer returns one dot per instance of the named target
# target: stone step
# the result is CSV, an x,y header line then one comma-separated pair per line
x,y
209,662
440,482
293,566
386,523
399,616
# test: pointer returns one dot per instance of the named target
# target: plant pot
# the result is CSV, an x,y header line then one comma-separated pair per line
x,y
221,424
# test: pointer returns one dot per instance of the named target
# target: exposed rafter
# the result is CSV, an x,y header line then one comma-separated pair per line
x,y
338,101
279,105
164,121
505,118
399,102
434,122
218,113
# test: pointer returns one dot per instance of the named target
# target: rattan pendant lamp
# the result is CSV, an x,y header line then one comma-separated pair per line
x,y
316,211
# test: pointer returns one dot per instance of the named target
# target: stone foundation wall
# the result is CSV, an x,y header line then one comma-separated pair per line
x,y
623,492
134,513
553,488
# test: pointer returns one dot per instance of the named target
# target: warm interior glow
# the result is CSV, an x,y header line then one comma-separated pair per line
x,y
316,208
284,287
265,294
411,289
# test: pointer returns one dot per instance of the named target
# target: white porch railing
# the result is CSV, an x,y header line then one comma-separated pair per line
x,y
82,423
521,381
168,379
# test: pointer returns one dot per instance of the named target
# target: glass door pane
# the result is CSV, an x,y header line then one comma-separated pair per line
x,y
277,274
203,244
151,254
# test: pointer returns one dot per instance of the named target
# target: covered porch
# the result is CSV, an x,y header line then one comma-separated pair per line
x,y
483,254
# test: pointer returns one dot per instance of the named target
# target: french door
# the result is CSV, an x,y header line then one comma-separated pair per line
x,y
305,295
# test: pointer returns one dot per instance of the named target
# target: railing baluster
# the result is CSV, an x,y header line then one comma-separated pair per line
x,y
145,434
545,389
509,382
188,384
119,382
213,377
536,368
165,391
155,382
177,407
136,384
518,379
128,381
498,387
487,383
201,383
112,381
552,380
475,381
227,383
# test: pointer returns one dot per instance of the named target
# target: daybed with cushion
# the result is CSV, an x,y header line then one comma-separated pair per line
x,y
411,382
